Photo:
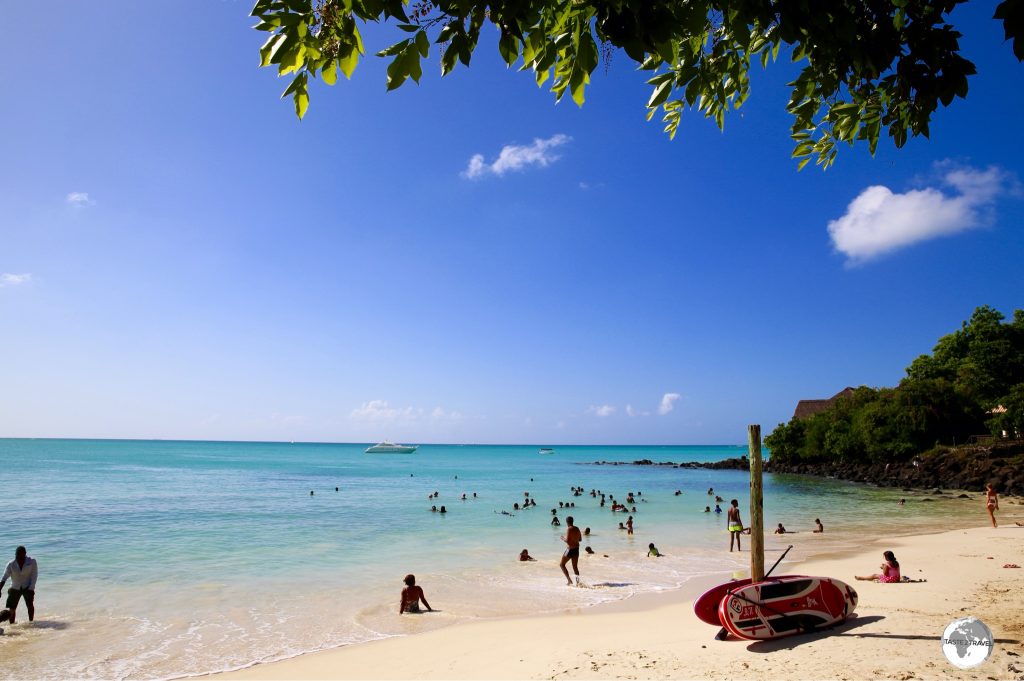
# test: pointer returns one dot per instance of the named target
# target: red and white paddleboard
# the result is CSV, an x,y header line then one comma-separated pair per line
x,y
782,606
706,605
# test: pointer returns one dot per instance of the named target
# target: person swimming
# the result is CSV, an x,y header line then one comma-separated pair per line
x,y
443,510
707,509
652,550
780,529
524,556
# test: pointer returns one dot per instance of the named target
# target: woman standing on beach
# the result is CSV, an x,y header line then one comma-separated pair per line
x,y
991,503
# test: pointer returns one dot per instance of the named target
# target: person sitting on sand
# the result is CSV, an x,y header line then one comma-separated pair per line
x,y
524,556
652,550
890,570
411,597
589,550
818,527
780,529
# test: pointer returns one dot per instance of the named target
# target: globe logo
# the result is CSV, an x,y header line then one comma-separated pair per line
x,y
967,642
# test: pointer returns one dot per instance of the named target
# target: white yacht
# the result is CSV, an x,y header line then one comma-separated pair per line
x,y
391,448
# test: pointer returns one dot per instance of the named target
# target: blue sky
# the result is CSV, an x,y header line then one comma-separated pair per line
x,y
181,258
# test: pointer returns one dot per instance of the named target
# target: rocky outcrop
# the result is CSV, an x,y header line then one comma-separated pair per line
x,y
968,468
742,463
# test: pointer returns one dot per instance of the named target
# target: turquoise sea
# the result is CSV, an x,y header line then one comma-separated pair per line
x,y
161,559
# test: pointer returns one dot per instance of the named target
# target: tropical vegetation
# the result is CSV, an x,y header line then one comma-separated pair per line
x,y
971,384
863,67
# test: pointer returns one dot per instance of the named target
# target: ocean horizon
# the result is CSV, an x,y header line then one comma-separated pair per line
x,y
172,558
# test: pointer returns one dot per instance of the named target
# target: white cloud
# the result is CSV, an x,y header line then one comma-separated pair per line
x,y
879,221
631,412
79,199
516,157
8,279
603,410
379,411
668,403
440,414
287,419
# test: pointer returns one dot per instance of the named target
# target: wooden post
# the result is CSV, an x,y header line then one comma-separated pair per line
x,y
756,505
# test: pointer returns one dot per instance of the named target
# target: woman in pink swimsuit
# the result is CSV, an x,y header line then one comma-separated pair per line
x,y
890,571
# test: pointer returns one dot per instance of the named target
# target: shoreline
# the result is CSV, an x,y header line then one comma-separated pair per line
x,y
663,625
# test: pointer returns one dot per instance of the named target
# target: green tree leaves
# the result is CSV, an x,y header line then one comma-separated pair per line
x,y
867,68
973,379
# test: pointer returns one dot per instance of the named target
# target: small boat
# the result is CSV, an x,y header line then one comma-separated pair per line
x,y
391,448
546,450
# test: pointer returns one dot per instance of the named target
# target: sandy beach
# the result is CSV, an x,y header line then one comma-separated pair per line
x,y
894,635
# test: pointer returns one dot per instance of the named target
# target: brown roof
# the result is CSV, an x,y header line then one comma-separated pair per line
x,y
807,408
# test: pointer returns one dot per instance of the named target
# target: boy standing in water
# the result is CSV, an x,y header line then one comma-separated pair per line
x,y
735,525
572,538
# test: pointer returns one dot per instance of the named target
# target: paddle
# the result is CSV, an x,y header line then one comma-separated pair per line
x,y
723,633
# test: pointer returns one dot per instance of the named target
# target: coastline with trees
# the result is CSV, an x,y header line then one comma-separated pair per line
x,y
956,420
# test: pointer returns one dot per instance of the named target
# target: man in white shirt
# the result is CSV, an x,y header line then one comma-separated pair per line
x,y
22,572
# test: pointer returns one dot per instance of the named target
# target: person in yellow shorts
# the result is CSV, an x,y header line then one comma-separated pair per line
x,y
735,525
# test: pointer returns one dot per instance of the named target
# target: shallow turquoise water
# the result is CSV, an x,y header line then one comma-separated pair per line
x,y
162,559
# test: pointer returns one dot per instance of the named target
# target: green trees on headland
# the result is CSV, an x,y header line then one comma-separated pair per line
x,y
972,383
